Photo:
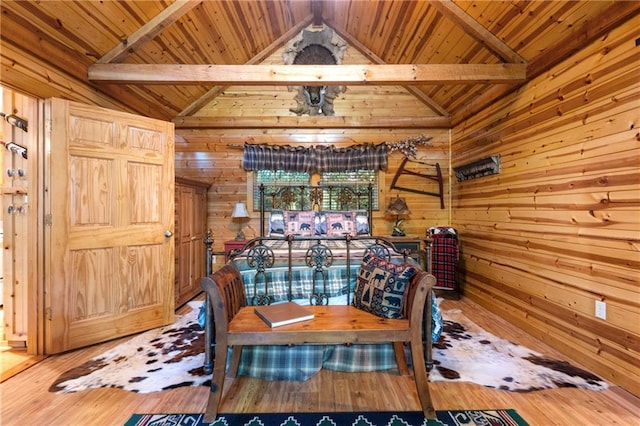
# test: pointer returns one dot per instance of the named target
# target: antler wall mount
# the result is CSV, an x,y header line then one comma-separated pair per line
x,y
315,48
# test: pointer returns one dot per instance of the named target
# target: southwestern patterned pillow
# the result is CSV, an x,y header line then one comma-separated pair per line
x,y
380,287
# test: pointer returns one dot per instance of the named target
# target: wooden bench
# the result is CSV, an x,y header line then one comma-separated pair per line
x,y
237,325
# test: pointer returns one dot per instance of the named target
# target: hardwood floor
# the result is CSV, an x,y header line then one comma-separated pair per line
x,y
25,399
13,360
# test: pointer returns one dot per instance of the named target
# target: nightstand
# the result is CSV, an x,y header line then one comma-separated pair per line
x,y
413,243
232,245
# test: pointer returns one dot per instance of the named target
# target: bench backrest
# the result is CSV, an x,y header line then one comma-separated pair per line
x,y
418,297
226,292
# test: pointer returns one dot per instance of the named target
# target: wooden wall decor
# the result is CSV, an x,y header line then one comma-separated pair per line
x,y
315,48
483,167
437,177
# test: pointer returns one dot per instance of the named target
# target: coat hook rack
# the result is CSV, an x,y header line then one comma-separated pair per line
x,y
483,167
16,121
437,178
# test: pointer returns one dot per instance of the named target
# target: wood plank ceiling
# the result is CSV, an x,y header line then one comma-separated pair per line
x,y
168,60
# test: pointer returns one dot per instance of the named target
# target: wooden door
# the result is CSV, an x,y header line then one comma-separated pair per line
x,y
184,242
109,211
191,219
199,234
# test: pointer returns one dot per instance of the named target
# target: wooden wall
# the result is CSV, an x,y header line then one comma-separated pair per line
x,y
559,227
21,263
556,230
215,155
222,166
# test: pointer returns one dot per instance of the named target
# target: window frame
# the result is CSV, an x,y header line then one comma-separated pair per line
x,y
315,179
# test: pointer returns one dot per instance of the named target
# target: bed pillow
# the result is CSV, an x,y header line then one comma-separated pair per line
x,y
276,223
321,223
362,223
300,223
340,223
381,286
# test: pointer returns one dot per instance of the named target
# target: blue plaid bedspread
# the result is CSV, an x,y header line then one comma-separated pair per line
x,y
300,362
275,282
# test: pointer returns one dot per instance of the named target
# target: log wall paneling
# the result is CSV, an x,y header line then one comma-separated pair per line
x,y
20,228
221,165
559,227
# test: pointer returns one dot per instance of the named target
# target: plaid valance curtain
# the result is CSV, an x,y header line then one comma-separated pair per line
x,y
315,159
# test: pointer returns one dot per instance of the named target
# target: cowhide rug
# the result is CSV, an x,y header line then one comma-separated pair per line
x,y
172,356
156,360
467,353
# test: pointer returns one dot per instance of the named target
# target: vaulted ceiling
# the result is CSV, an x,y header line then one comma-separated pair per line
x,y
169,60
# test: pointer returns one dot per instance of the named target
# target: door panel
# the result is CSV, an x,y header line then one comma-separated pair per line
x,y
109,185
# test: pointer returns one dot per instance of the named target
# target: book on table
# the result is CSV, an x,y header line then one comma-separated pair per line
x,y
283,313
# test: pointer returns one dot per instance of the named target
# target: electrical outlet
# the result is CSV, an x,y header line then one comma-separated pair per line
x,y
213,260
601,309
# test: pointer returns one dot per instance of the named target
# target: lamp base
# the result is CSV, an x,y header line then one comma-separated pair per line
x,y
398,233
240,236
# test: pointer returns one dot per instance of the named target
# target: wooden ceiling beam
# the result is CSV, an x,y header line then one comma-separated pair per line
x,y
310,122
298,75
316,8
149,30
458,16
428,101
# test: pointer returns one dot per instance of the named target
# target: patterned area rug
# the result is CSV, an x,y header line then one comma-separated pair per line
x,y
407,418
172,356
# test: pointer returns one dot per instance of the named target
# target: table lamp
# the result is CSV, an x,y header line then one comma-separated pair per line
x,y
239,214
398,207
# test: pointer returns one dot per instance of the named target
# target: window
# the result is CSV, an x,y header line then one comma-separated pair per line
x,y
272,180
276,179
358,180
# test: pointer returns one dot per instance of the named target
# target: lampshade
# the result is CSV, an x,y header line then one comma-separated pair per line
x,y
239,211
398,206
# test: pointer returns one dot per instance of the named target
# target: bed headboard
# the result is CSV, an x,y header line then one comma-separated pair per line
x,y
309,197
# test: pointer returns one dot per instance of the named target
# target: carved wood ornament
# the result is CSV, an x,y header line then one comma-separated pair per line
x,y
315,48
